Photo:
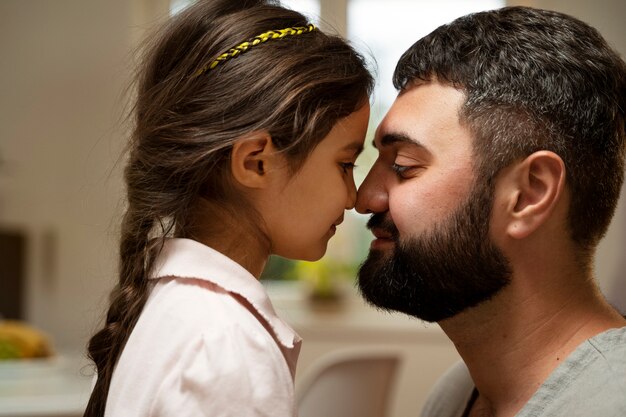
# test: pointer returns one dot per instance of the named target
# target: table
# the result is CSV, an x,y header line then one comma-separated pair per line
x,y
54,387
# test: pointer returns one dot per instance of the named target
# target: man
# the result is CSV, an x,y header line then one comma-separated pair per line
x,y
500,165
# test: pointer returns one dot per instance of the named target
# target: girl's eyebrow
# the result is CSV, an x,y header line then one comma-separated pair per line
x,y
356,147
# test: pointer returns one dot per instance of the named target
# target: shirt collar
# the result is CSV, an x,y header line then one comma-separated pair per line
x,y
186,258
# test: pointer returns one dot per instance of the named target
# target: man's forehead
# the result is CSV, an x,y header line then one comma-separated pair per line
x,y
386,126
394,127
422,108
399,115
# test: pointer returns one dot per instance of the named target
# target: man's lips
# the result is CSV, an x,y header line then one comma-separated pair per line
x,y
382,234
383,229
383,239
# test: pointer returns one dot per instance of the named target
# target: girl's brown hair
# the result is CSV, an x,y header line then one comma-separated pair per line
x,y
296,88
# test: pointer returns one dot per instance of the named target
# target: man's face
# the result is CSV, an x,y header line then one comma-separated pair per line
x,y
432,257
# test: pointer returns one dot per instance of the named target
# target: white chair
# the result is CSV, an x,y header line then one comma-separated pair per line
x,y
356,383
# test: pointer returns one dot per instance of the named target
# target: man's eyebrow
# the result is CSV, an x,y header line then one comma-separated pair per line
x,y
391,138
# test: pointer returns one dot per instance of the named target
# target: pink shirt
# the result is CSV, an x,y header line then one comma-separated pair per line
x,y
208,343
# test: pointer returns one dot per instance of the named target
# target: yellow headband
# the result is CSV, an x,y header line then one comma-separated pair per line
x,y
263,37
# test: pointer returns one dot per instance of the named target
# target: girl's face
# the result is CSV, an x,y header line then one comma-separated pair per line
x,y
306,207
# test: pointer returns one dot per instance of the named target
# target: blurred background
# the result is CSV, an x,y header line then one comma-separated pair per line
x,y
64,71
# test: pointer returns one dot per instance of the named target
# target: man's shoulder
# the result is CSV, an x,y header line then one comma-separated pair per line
x,y
450,394
600,358
610,344
592,381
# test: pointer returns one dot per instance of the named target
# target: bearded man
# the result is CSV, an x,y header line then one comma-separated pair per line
x,y
500,166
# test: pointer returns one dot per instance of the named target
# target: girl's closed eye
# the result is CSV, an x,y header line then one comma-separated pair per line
x,y
347,166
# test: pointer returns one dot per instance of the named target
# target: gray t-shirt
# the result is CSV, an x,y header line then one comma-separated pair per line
x,y
591,382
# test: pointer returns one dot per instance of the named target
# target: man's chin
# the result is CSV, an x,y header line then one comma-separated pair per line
x,y
387,281
371,279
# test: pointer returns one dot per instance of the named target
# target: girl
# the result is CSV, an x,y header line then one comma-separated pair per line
x,y
248,121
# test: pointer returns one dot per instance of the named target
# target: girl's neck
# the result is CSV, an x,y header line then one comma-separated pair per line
x,y
237,238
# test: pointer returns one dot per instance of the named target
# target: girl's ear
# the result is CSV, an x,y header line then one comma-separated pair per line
x,y
533,190
253,156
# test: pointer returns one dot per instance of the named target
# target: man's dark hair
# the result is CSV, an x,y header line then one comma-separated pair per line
x,y
535,80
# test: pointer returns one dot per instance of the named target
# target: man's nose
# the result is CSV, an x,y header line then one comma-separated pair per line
x,y
372,195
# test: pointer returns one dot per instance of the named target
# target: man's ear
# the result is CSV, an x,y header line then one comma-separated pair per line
x,y
252,157
533,190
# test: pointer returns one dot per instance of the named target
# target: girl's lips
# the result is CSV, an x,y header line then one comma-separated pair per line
x,y
338,222
333,228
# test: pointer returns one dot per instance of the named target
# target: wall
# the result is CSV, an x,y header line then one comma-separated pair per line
x,y
63,69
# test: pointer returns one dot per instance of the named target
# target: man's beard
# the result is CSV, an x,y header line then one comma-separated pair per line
x,y
442,272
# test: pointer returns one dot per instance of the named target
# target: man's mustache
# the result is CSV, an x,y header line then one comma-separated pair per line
x,y
382,221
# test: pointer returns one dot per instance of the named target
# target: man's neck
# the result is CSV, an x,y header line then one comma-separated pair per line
x,y
513,342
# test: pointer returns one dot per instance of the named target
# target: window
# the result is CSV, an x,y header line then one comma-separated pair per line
x,y
388,28
309,8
